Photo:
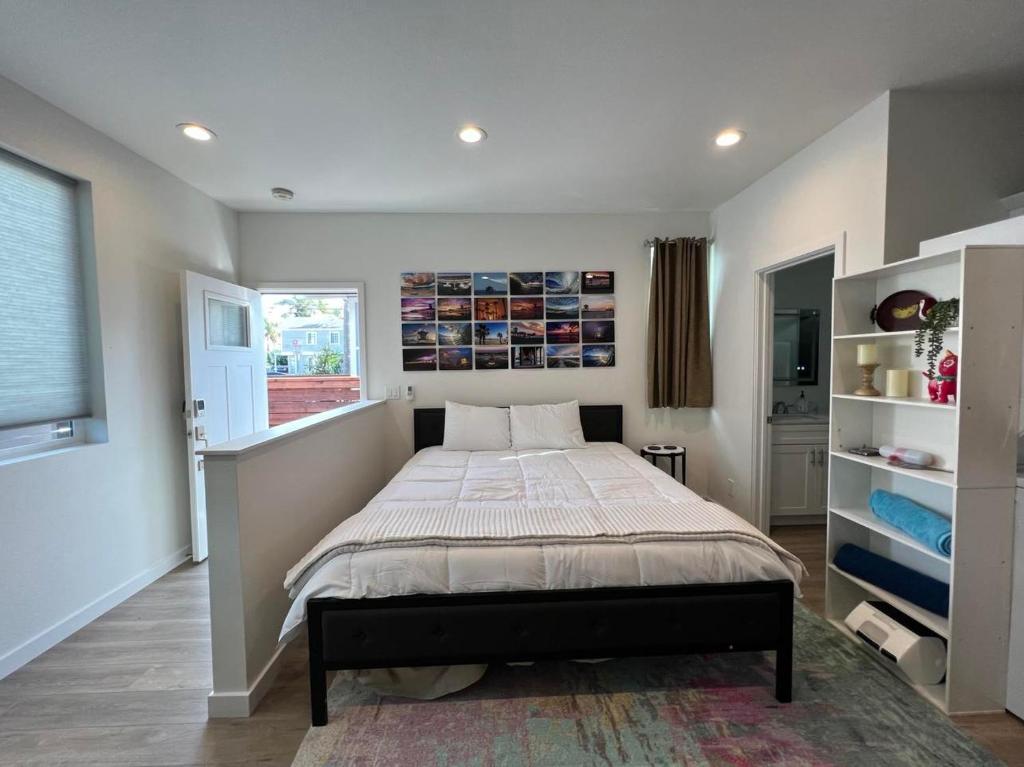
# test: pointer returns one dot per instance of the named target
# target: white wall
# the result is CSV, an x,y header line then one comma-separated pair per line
x,y
836,184
267,506
952,158
105,518
375,248
809,286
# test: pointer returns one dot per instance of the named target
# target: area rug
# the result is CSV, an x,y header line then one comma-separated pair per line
x,y
715,710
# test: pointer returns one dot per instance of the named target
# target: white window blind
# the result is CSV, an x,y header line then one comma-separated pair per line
x,y
45,377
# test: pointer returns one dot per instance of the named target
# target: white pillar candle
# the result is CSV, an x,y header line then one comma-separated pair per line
x,y
867,354
897,383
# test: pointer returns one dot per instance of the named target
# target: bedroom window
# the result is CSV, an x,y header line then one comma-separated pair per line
x,y
42,295
314,344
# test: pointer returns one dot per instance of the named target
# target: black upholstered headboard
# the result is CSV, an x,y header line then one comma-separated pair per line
x,y
601,423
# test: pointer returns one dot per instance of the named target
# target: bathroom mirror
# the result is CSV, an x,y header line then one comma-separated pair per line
x,y
795,355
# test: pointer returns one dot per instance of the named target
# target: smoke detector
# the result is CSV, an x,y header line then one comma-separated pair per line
x,y
280,193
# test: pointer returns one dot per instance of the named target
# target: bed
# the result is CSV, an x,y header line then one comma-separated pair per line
x,y
511,556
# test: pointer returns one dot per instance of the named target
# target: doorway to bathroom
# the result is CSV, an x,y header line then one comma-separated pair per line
x,y
793,311
801,334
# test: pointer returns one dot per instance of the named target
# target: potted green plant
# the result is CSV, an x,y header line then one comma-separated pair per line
x,y
940,318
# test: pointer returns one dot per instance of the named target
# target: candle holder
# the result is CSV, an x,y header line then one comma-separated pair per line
x,y
867,381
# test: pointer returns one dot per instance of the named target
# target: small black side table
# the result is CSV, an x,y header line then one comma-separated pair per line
x,y
654,452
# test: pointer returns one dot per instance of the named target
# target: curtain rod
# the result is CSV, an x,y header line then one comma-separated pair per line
x,y
649,242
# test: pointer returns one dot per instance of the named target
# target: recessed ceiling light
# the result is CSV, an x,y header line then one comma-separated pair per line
x,y
729,137
472,134
280,193
196,131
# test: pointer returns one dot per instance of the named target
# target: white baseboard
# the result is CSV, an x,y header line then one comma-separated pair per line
x,y
240,704
40,643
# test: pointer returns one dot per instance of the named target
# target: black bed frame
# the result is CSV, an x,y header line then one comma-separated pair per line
x,y
496,627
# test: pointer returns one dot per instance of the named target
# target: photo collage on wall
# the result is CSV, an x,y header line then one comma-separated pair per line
x,y
507,320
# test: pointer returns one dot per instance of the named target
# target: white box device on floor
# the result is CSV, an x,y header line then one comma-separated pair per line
x,y
905,646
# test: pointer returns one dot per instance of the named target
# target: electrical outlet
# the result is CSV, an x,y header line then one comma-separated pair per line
x,y
392,392
731,487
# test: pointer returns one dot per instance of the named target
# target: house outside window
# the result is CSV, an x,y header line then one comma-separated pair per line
x,y
307,337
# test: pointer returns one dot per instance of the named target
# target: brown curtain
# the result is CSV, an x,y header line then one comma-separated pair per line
x,y
678,326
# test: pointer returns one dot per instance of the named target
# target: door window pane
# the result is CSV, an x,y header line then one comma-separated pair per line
x,y
227,323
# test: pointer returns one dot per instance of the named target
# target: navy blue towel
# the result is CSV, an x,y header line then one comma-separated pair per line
x,y
924,591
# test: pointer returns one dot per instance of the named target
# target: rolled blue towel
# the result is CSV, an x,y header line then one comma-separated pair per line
x,y
923,590
933,530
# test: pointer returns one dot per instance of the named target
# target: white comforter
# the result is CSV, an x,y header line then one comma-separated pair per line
x,y
455,522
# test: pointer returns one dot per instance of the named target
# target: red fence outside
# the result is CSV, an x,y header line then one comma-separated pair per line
x,y
294,397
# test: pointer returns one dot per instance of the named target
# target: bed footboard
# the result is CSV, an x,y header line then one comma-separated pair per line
x,y
497,627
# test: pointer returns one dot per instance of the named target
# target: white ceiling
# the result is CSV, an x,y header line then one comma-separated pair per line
x,y
592,105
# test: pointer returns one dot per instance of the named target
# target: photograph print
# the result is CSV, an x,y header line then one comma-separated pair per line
x,y
454,283
490,308
561,283
527,332
565,332
526,283
598,282
490,283
527,357
491,359
419,334
599,356
418,310
491,333
596,307
563,356
526,308
599,332
418,360
567,308
417,283
454,333
455,308
455,358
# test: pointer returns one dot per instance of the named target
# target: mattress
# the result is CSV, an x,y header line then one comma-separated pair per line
x,y
600,516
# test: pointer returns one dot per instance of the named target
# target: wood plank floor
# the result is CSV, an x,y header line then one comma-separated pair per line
x,y
1003,734
131,687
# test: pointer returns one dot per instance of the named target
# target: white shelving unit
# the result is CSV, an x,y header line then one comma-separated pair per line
x,y
974,441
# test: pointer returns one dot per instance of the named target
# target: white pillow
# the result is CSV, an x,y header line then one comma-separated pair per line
x,y
556,427
475,428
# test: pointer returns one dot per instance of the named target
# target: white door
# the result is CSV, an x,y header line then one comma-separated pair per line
x,y
795,480
225,376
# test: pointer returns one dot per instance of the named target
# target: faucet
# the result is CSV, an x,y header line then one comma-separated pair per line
x,y
780,408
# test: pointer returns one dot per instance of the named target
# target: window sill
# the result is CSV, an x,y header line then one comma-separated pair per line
x,y
47,453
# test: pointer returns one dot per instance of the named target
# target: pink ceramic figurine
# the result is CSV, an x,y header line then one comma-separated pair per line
x,y
943,386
